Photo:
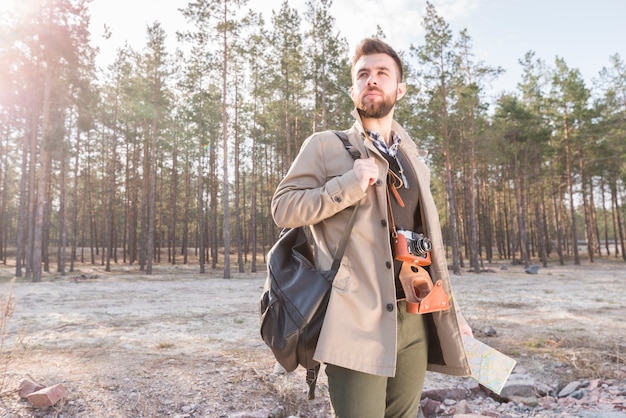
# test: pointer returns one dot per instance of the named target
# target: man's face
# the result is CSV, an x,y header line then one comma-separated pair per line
x,y
375,87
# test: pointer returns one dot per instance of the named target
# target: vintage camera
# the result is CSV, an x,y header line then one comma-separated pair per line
x,y
411,247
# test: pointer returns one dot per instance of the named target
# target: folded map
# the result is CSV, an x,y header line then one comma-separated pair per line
x,y
489,367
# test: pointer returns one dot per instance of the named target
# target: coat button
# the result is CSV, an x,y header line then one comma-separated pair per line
x,y
337,199
384,223
388,264
390,307
379,182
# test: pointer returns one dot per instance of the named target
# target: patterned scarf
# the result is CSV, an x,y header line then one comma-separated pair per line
x,y
391,151
378,141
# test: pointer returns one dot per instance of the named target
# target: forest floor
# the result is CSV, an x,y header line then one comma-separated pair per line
x,y
182,344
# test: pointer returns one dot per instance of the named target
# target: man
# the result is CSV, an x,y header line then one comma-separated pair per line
x,y
376,353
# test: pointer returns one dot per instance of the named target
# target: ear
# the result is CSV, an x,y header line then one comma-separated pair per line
x,y
401,90
352,92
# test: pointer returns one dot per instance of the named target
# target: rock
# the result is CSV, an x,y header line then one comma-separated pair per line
x,y
578,394
594,384
463,408
523,386
27,387
278,412
445,394
429,407
531,401
247,414
487,331
534,269
47,396
449,402
279,369
569,388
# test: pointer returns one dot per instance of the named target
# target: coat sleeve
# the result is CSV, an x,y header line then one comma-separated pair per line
x,y
320,183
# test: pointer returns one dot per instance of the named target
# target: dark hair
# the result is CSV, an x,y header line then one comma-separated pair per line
x,y
370,46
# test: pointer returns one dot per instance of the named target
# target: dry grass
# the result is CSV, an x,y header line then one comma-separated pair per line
x,y
127,344
7,309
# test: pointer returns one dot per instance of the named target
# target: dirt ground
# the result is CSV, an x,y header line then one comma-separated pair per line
x,y
183,344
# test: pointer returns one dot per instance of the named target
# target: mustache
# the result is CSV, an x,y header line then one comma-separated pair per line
x,y
370,89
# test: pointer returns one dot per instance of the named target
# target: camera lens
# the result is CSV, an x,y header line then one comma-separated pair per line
x,y
421,245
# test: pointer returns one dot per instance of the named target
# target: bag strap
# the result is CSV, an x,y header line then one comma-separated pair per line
x,y
354,152
344,240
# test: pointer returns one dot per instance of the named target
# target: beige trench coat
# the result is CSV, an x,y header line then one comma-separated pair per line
x,y
359,330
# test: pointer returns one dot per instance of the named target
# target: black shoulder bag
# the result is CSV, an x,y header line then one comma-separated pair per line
x,y
296,294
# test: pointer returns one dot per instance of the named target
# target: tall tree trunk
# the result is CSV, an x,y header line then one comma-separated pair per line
x,y
545,218
44,178
62,246
617,220
604,218
487,220
126,201
213,188
557,219
471,198
499,228
151,145
93,232
589,232
238,194
134,211
226,184
4,233
145,202
184,248
541,235
45,236
42,186
253,209
111,201
151,215
570,189
74,239
200,203
520,205
453,215
22,212
595,228
512,242
174,215
32,192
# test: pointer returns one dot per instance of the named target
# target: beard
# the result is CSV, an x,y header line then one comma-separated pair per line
x,y
375,110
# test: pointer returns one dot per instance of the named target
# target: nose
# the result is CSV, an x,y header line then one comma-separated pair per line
x,y
372,81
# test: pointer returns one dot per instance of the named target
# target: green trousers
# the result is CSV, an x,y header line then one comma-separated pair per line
x,y
361,395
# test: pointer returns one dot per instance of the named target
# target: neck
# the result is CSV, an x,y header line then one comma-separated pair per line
x,y
380,125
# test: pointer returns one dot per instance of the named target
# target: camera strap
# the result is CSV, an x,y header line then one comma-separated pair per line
x,y
394,232
394,182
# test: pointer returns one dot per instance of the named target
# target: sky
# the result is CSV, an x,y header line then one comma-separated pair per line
x,y
585,33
